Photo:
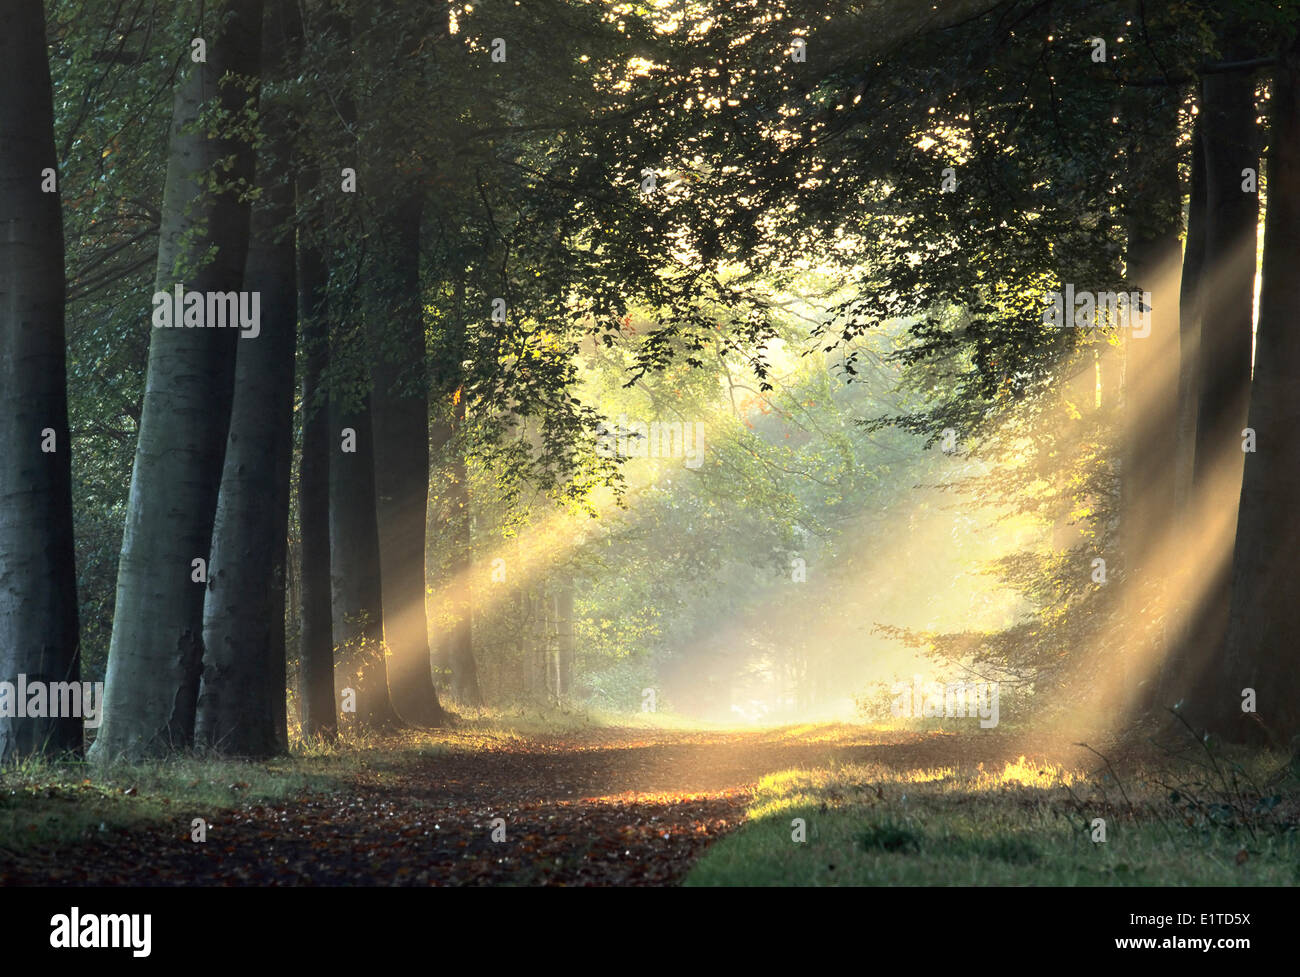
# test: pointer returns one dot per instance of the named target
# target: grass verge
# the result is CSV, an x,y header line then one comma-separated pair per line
x,y
1025,824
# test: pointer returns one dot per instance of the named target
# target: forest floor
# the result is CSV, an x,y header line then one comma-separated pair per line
x,y
618,805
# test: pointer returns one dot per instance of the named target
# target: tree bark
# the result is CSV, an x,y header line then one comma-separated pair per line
x,y
456,646
156,651
39,630
1227,299
315,612
241,695
460,638
356,585
1263,629
401,424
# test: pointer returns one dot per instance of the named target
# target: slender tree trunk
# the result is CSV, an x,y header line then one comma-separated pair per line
x,y
550,663
520,682
241,696
322,316
564,616
401,424
546,647
156,653
357,588
315,614
39,632
1263,629
464,671
457,645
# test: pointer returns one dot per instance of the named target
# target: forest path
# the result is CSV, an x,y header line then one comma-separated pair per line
x,y
601,806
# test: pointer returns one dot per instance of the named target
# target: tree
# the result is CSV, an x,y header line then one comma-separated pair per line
x,y
357,589
39,629
156,654
1221,257
315,614
456,647
1262,631
401,424
241,696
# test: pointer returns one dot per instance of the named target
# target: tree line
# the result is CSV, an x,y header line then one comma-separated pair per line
x,y
440,207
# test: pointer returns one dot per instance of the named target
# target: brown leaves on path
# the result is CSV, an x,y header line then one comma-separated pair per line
x,y
609,806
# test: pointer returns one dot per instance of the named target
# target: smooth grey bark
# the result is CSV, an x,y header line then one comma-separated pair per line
x,y
39,632
241,695
400,402
1263,628
156,651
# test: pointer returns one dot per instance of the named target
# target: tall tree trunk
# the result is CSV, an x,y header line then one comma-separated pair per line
x,y
401,424
241,696
1227,295
1232,217
39,632
457,644
156,652
357,589
315,615
464,670
321,316
1263,629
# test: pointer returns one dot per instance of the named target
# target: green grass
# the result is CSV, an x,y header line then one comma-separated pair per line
x,y
52,802
45,802
1027,825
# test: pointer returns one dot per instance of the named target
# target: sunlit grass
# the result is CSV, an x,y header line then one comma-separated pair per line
x,y
1020,822
1027,773
44,802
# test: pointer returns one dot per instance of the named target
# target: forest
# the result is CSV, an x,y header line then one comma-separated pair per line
x,y
649,442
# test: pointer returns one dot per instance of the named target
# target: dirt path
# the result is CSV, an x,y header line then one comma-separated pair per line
x,y
601,807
